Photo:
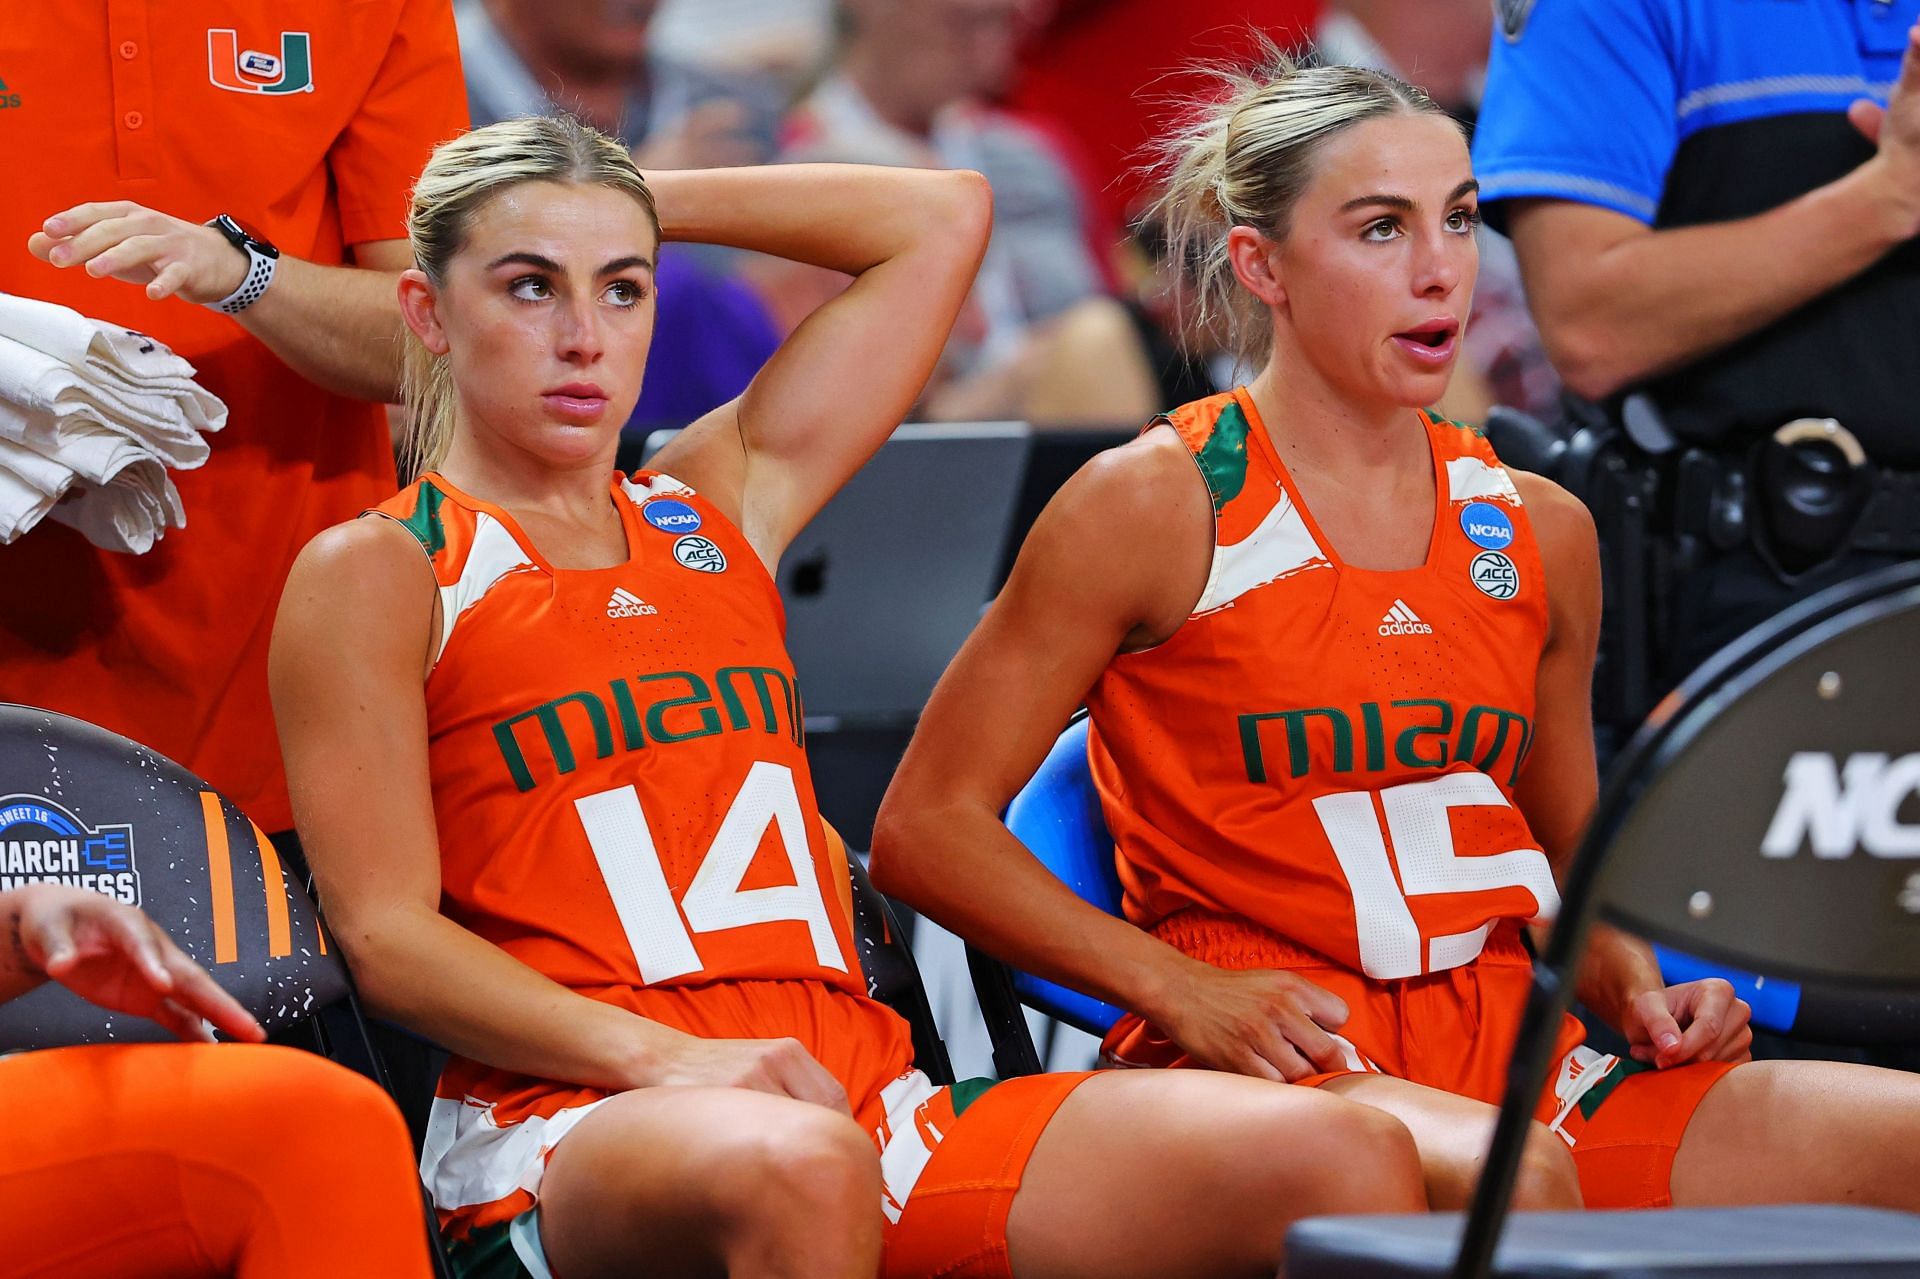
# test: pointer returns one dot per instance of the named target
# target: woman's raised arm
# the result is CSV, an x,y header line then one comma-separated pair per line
x,y
911,239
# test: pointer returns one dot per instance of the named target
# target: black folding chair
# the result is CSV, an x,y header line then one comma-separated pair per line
x,y
893,977
1753,820
103,812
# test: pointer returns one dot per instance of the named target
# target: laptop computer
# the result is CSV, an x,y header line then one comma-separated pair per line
x,y
886,583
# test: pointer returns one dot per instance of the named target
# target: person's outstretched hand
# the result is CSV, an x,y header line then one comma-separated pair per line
x,y
114,956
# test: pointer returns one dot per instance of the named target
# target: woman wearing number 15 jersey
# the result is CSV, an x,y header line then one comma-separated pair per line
x,y
1338,663
546,752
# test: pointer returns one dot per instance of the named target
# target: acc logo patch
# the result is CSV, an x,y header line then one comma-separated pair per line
x,y
1495,575
1486,525
699,554
670,516
42,843
1513,16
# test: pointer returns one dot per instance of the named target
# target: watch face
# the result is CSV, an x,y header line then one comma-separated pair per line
x,y
241,240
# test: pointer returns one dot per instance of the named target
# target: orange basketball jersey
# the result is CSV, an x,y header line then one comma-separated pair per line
x,y
624,804
1326,751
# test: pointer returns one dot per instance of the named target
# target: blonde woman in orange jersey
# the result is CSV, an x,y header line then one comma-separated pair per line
x,y
545,747
1338,663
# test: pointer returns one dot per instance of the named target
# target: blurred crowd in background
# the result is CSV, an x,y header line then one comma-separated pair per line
x,y
1056,101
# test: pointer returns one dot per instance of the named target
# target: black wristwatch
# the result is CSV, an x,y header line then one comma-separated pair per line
x,y
262,259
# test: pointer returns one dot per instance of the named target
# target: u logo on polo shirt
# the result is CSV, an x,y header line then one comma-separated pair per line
x,y
252,71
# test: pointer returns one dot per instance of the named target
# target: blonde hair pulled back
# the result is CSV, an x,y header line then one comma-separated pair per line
x,y
462,175
1243,157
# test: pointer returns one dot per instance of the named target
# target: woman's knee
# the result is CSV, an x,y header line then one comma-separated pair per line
x,y
1336,1156
1380,1166
296,1101
809,1164
1548,1177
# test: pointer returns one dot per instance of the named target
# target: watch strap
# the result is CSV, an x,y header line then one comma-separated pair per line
x,y
260,267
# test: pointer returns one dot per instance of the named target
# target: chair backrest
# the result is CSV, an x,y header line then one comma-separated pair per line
x,y
892,976
1057,816
1798,738
1783,769
82,806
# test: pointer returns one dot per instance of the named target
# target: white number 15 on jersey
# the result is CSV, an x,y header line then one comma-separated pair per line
x,y
1416,818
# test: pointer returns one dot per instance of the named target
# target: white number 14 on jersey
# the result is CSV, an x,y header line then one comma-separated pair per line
x,y
629,862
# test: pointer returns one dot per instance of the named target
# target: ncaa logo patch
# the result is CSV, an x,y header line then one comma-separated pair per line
x,y
42,843
670,516
1495,575
1486,526
699,554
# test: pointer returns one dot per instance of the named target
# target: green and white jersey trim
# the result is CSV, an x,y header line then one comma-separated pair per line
x,y
1469,478
494,554
469,1159
1280,546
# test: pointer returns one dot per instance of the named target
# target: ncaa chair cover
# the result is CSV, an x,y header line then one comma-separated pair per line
x,y
89,808
1810,869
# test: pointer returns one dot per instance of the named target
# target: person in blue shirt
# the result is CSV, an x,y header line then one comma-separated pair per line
x,y
1715,205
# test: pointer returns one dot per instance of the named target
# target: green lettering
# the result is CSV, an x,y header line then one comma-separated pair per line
x,y
761,679
1470,738
1298,758
697,695
547,714
1404,746
631,736
1376,735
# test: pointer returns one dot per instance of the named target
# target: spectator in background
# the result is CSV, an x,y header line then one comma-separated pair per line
x,y
1716,205
593,58
1105,72
782,43
132,128
1441,45
1041,338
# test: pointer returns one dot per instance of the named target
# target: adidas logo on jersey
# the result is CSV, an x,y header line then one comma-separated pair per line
x,y
625,603
1400,620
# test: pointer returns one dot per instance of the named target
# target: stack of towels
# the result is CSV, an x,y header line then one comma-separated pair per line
x,y
92,417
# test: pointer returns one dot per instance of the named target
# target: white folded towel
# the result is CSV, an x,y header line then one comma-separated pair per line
x,y
73,339
130,512
168,424
97,412
22,505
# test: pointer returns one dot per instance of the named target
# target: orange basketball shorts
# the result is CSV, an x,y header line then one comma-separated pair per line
x,y
1454,1030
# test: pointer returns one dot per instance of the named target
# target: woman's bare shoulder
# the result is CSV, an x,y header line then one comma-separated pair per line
x,y
357,586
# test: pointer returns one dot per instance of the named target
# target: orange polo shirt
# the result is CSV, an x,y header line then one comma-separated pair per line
x,y
307,123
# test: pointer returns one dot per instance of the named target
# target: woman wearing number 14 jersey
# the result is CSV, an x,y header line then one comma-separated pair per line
x,y
1338,662
546,752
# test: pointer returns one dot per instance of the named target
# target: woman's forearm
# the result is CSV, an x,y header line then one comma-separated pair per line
x,y
434,977
1616,967
846,217
962,869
